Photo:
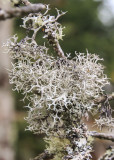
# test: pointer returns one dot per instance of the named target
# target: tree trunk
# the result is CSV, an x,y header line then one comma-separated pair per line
x,y
6,100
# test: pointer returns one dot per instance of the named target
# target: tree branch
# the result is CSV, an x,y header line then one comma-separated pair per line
x,y
102,136
47,156
22,11
55,44
104,98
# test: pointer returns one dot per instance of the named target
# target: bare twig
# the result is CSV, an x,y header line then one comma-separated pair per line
x,y
59,50
102,136
16,12
103,98
47,156
52,41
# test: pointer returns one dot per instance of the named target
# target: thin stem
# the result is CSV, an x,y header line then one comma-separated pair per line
x,y
35,32
59,50
102,136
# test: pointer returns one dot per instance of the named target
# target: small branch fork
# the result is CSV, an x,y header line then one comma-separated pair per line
x,y
56,45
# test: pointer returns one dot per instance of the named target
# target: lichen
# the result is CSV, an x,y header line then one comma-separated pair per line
x,y
60,90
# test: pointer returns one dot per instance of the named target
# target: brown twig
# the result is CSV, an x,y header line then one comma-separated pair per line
x,y
102,136
59,50
16,12
104,98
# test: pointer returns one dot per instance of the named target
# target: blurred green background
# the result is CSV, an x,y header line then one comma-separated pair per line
x,y
88,27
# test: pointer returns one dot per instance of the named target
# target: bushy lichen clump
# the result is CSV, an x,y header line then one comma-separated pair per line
x,y
56,88
60,90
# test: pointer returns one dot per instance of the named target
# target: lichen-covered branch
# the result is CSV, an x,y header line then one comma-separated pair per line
x,y
53,30
102,136
56,46
105,136
52,39
22,11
